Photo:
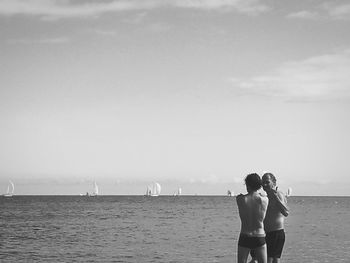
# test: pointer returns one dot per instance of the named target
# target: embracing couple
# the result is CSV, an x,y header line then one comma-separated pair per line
x,y
262,220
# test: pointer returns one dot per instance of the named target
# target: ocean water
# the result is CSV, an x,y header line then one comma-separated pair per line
x,y
160,229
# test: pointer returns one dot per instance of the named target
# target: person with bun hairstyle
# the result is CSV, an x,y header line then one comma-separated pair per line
x,y
252,210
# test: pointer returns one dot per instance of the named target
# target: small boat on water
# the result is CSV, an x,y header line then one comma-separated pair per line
x,y
289,192
178,192
230,193
95,189
10,189
153,189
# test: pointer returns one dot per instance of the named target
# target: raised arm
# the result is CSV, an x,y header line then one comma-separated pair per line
x,y
281,202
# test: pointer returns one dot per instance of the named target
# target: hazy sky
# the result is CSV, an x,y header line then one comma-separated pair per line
x,y
191,93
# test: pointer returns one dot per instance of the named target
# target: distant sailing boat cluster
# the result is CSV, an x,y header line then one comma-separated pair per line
x,y
153,189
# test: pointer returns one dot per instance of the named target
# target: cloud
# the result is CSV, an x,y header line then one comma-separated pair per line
x,y
304,15
325,77
57,40
337,11
324,11
58,9
136,18
55,9
251,7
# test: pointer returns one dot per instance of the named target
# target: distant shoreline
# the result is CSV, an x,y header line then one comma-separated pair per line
x,y
109,195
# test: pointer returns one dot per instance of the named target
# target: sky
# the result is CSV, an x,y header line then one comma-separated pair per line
x,y
189,93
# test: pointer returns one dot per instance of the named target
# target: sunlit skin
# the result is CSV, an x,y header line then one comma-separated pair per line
x,y
252,209
277,210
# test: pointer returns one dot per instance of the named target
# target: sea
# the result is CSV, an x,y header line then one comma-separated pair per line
x,y
161,229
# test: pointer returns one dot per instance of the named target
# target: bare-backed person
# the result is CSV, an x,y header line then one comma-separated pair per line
x,y
276,212
252,210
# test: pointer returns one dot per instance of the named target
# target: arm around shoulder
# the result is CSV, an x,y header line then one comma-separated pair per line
x,y
282,203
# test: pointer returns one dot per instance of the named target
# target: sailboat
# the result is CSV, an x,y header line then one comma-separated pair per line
x,y
154,189
178,192
230,193
95,191
289,192
148,191
10,189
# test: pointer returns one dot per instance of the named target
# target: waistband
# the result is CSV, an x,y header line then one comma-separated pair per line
x,y
251,235
275,231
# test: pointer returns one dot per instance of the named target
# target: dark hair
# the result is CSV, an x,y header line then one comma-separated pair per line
x,y
253,180
272,177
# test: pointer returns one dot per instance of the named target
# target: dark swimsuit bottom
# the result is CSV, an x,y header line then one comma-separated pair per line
x,y
275,241
251,241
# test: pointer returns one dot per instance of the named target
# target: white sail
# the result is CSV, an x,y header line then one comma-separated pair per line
x,y
154,189
157,189
289,192
10,189
95,189
178,192
149,190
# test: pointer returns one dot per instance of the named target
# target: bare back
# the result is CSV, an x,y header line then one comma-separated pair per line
x,y
252,209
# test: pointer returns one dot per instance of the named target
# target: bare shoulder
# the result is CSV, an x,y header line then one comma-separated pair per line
x,y
281,196
264,199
